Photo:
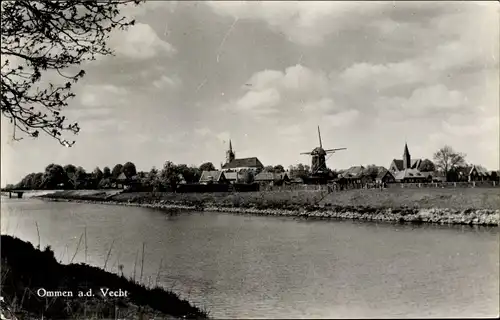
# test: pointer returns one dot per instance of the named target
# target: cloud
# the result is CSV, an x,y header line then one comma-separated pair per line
x,y
137,12
298,91
382,76
166,82
259,102
306,23
423,102
345,118
140,42
102,95
103,125
480,126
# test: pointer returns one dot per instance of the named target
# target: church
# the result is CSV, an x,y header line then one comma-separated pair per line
x,y
407,169
233,164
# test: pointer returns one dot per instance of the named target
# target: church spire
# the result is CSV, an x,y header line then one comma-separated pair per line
x,y
230,153
406,158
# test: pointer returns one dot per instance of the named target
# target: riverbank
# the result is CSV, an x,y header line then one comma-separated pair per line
x,y
441,206
27,272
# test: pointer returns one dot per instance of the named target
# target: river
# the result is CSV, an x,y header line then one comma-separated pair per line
x,y
267,267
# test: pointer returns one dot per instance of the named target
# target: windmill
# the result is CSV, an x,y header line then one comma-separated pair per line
x,y
318,154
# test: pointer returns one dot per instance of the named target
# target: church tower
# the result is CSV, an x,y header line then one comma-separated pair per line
x,y
230,154
406,158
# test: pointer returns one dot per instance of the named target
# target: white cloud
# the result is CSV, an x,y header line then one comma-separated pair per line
x,y
140,42
480,126
382,76
102,95
424,102
345,118
136,12
260,102
165,82
306,23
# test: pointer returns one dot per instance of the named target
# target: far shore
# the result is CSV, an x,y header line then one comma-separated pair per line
x,y
467,206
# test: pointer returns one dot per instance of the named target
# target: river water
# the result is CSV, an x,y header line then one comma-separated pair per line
x,y
267,267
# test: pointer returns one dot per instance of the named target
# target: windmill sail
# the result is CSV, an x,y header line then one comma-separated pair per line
x,y
319,136
333,150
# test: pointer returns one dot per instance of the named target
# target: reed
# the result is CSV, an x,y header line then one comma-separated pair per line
x,y
142,262
77,247
85,244
108,255
38,233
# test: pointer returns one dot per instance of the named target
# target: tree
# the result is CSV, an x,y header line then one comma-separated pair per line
x,y
106,173
53,176
299,171
47,37
494,176
279,168
152,178
69,168
116,171
129,169
446,159
97,176
207,166
427,166
169,175
248,176
268,169
371,171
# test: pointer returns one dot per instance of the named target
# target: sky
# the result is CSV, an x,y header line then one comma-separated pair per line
x,y
189,76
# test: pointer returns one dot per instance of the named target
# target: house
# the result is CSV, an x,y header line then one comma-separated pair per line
x,y
234,164
233,176
436,176
123,182
271,178
208,177
469,173
405,163
353,175
384,176
411,175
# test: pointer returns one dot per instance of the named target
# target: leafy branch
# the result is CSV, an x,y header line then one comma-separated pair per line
x,y
40,38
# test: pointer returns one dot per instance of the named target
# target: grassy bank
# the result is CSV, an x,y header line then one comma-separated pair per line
x,y
457,199
478,206
26,269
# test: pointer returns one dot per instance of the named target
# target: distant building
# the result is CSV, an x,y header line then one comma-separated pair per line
x,y
412,176
123,182
208,177
352,176
405,163
384,176
271,178
469,173
233,164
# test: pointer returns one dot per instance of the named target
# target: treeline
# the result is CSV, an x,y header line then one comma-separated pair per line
x,y
70,176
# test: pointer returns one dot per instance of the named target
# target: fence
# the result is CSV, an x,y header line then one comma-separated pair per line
x,y
201,188
295,187
472,184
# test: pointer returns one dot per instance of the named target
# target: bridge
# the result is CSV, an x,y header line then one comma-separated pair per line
x,y
19,193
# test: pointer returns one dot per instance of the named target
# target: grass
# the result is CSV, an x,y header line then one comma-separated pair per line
x,y
459,198
25,269
451,198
